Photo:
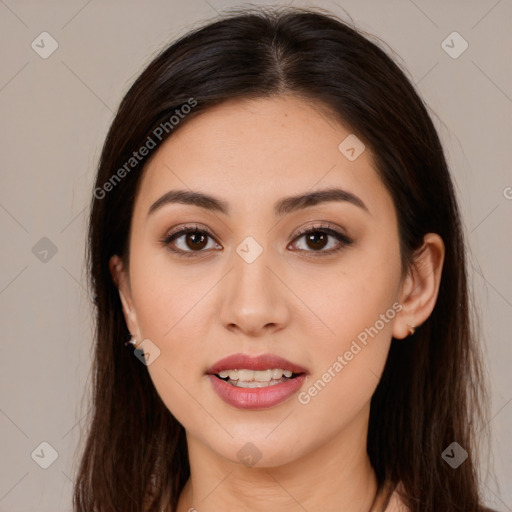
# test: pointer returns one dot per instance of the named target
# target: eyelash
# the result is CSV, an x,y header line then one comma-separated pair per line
x,y
319,228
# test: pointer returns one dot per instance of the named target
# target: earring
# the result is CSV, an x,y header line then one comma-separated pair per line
x,y
131,341
412,329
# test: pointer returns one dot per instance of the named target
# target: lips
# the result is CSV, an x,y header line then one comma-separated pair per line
x,y
260,362
258,395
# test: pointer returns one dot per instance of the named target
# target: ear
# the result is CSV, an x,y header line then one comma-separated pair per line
x,y
121,280
419,290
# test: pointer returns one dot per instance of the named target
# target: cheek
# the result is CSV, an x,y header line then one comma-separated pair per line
x,y
355,294
359,308
166,296
173,303
170,313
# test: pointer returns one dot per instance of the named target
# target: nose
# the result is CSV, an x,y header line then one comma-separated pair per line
x,y
254,300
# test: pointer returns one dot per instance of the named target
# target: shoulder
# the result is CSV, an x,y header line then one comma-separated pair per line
x,y
390,500
396,504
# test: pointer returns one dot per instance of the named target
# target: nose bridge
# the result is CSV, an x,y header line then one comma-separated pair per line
x,y
251,273
251,266
252,299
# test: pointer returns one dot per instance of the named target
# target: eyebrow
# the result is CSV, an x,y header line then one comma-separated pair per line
x,y
282,207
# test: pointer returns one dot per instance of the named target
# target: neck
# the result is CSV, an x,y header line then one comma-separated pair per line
x,y
333,476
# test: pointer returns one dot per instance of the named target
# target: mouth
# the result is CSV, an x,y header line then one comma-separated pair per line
x,y
255,382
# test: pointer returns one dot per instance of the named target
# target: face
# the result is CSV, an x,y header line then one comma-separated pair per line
x,y
317,283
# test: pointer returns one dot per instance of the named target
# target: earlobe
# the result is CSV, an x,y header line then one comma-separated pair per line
x,y
120,278
420,287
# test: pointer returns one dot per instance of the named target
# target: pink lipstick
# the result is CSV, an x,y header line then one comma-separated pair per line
x,y
255,382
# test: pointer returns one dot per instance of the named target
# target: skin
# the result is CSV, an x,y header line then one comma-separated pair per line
x,y
197,310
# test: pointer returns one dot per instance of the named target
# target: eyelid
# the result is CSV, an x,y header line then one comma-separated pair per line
x,y
322,226
319,226
189,228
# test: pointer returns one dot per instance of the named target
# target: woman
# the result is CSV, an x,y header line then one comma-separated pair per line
x,y
274,231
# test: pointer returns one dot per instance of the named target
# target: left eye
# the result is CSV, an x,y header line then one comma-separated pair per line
x,y
317,239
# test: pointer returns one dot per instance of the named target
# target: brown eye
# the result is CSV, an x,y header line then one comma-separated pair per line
x,y
317,239
196,240
188,241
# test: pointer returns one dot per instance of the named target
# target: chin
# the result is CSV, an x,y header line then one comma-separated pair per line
x,y
254,449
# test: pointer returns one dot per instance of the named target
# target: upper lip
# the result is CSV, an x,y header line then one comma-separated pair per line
x,y
259,362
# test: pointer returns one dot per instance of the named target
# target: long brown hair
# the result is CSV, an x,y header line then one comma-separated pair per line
x,y
431,393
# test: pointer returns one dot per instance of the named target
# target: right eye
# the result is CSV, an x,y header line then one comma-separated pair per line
x,y
188,240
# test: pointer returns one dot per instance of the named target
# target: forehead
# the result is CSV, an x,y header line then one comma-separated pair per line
x,y
248,149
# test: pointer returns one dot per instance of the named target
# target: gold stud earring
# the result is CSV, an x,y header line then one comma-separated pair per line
x,y
412,329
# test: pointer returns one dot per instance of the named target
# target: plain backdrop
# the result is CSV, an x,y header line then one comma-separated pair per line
x,y
55,112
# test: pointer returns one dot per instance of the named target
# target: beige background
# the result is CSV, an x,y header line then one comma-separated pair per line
x,y
54,116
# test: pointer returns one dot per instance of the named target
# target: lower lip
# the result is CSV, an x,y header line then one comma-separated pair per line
x,y
256,398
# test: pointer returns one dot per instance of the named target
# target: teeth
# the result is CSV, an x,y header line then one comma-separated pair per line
x,y
277,374
261,376
255,384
